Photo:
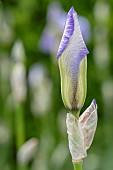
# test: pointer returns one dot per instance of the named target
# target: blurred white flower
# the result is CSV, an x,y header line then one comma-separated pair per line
x,y
47,142
27,151
41,89
41,101
18,82
18,52
18,73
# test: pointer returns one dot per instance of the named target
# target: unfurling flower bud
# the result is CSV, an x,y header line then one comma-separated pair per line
x,y
81,132
72,60
72,63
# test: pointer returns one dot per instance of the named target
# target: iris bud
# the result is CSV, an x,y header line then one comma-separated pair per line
x,y
72,62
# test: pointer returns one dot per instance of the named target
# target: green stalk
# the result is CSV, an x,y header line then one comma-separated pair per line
x,y
19,125
20,131
78,166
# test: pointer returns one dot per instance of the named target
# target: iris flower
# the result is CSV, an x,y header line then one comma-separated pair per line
x,y
72,60
72,63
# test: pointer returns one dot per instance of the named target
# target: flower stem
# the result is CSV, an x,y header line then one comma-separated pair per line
x,y
78,166
19,125
20,131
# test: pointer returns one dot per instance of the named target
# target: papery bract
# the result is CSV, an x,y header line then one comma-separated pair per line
x,y
81,131
88,123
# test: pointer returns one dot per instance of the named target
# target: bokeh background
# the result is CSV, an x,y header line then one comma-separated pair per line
x,y
32,116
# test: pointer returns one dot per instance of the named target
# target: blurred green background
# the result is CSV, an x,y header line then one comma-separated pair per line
x,y
32,116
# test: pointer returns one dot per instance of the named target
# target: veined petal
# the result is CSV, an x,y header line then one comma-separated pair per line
x,y
71,51
72,27
85,115
88,122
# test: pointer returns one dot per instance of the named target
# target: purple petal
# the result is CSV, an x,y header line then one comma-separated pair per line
x,y
71,29
68,31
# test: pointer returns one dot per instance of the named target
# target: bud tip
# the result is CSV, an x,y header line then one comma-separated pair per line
x,y
94,102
